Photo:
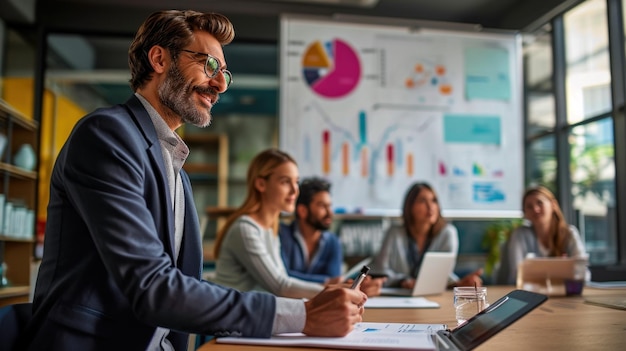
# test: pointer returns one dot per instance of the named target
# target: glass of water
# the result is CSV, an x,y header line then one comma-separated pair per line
x,y
468,301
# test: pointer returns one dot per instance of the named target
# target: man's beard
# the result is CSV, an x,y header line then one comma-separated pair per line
x,y
176,94
317,224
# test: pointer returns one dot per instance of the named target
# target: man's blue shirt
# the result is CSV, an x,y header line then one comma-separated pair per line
x,y
325,263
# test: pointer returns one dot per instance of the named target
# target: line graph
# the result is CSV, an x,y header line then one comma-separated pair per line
x,y
351,151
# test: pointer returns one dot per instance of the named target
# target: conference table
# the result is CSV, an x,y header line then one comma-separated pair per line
x,y
561,323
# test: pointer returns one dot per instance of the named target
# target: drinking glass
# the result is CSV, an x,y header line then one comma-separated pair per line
x,y
468,301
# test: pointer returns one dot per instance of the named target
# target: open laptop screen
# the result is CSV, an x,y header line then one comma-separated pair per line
x,y
432,278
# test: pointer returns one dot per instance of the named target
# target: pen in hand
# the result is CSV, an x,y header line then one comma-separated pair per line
x,y
358,280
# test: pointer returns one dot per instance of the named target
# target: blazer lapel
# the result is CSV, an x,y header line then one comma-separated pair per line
x,y
190,256
145,125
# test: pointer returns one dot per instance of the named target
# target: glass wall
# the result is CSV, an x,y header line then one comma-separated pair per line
x,y
541,162
540,109
592,166
593,188
539,89
582,119
588,75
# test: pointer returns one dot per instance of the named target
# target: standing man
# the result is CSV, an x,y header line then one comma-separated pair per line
x,y
122,252
310,252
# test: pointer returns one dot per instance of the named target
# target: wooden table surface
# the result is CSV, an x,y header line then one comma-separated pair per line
x,y
561,323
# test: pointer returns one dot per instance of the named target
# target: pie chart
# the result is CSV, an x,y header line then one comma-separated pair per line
x,y
332,69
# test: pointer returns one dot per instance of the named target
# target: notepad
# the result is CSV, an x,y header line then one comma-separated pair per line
x,y
365,336
400,302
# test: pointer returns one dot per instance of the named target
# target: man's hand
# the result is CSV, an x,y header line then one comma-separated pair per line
x,y
371,286
333,312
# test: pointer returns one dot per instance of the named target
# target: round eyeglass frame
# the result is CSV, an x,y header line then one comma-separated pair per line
x,y
228,77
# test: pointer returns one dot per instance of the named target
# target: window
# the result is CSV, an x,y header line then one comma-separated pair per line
x,y
575,125
538,82
588,75
541,162
588,96
540,106
593,188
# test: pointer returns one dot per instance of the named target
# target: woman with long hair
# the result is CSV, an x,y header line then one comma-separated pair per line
x,y
423,229
248,246
545,234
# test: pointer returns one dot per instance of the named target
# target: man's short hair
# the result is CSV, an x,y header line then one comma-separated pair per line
x,y
309,187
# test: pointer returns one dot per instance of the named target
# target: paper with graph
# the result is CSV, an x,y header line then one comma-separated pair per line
x,y
365,336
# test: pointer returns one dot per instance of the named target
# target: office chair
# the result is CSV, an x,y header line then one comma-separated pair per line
x,y
13,319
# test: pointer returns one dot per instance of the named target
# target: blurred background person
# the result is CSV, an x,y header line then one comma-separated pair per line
x,y
310,252
247,248
545,233
422,230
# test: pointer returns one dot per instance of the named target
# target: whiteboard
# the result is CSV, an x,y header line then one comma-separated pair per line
x,y
374,108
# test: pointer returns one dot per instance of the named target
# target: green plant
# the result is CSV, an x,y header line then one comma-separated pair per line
x,y
495,235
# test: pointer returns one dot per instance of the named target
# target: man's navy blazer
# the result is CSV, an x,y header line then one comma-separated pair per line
x,y
108,277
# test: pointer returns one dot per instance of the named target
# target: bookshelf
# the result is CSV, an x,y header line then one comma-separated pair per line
x,y
17,203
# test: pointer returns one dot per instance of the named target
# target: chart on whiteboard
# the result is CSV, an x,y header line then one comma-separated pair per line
x,y
374,109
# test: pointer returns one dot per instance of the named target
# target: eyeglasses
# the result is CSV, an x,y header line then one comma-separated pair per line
x,y
212,66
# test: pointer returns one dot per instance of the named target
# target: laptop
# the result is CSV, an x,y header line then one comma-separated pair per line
x,y
432,278
489,321
553,276
543,268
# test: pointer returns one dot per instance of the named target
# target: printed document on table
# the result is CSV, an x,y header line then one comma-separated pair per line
x,y
365,336
399,302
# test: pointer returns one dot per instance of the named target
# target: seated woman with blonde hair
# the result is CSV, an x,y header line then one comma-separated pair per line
x,y
248,246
